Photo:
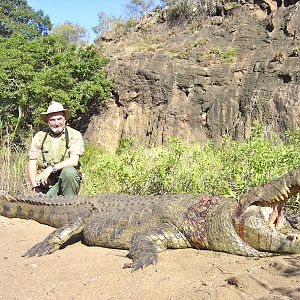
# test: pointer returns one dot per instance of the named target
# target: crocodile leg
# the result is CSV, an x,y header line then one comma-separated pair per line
x,y
57,238
143,253
145,246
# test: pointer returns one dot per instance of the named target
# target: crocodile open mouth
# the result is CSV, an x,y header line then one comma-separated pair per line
x,y
273,194
276,217
260,219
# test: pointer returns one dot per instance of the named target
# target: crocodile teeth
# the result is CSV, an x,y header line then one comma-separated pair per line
x,y
281,197
285,193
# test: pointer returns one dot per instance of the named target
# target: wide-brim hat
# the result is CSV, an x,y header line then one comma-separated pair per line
x,y
55,107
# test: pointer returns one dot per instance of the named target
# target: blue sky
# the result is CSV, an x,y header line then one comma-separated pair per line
x,y
82,12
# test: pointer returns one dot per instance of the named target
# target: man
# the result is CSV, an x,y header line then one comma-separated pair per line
x,y
54,155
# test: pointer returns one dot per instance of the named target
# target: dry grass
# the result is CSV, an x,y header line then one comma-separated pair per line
x,y
13,174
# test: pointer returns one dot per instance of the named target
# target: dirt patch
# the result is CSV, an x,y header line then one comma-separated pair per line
x,y
81,272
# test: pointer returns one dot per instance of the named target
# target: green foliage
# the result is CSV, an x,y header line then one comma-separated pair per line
x,y
125,144
18,17
13,168
230,170
293,137
232,4
35,72
229,54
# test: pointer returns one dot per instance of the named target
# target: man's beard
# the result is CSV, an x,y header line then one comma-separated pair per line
x,y
57,130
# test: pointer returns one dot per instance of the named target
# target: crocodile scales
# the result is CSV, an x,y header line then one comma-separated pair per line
x,y
148,225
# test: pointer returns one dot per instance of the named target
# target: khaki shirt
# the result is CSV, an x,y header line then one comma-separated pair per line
x,y
54,148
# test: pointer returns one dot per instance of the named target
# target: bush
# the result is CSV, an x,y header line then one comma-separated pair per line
x,y
192,10
34,73
230,170
189,10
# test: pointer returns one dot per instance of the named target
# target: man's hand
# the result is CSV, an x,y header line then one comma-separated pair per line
x,y
42,178
37,190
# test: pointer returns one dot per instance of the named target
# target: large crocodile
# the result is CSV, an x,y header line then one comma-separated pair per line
x,y
148,225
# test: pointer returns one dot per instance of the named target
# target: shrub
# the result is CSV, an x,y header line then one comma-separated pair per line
x,y
229,55
34,73
230,170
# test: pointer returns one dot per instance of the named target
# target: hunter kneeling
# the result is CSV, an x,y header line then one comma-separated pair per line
x,y
53,166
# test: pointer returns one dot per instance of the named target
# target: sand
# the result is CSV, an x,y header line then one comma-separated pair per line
x,y
81,272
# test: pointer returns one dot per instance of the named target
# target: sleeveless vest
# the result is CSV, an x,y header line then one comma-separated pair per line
x,y
52,154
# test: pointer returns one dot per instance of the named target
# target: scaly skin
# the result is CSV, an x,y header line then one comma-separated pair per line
x,y
153,224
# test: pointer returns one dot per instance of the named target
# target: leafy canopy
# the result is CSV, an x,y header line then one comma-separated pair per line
x,y
35,72
16,16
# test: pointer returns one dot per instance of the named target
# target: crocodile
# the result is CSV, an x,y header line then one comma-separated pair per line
x,y
251,225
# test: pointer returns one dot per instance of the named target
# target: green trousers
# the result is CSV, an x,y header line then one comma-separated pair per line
x,y
67,184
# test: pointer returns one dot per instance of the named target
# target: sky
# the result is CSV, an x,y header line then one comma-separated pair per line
x,y
81,12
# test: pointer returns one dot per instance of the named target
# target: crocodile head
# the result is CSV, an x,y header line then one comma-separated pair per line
x,y
273,194
259,219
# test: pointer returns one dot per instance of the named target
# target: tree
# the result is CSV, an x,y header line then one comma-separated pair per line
x,y
72,33
16,16
132,12
189,10
106,23
35,72
138,8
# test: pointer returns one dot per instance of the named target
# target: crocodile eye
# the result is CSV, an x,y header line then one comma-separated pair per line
x,y
292,237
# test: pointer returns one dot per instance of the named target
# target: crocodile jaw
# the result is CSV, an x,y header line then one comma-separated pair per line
x,y
272,193
257,231
259,219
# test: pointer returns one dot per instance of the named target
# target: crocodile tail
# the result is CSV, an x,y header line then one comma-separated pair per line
x,y
40,211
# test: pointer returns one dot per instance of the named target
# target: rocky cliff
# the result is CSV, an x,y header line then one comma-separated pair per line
x,y
200,80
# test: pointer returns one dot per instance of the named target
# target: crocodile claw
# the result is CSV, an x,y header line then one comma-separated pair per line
x,y
41,249
143,253
142,262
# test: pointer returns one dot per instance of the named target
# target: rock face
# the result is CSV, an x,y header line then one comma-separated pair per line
x,y
212,77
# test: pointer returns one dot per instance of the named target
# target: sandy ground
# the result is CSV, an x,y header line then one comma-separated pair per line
x,y
81,272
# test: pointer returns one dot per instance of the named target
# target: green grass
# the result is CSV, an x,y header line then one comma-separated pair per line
x,y
229,170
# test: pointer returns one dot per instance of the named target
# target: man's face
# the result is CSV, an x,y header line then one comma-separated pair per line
x,y
57,122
